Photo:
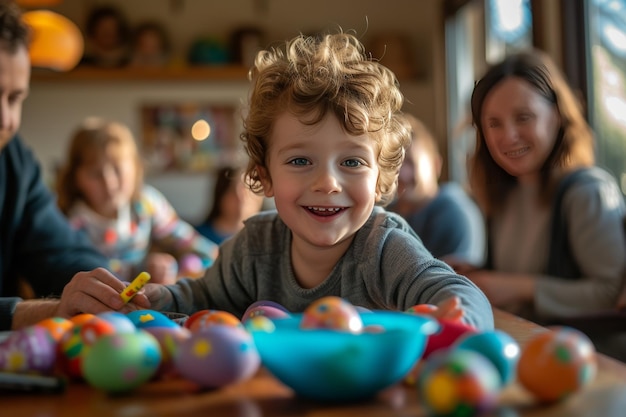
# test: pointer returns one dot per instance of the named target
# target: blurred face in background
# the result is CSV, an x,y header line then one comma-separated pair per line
x,y
106,179
520,127
240,202
419,174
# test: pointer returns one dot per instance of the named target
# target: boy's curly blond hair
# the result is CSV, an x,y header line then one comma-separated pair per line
x,y
312,76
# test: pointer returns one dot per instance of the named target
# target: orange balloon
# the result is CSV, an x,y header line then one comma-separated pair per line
x,y
56,42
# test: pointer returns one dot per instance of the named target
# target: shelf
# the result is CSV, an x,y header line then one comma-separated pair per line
x,y
198,73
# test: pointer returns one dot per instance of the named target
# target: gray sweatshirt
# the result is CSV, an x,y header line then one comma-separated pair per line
x,y
386,267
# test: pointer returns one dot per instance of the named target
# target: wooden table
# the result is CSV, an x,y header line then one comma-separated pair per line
x,y
265,396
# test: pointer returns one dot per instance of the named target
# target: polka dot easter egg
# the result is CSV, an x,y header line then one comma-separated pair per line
x,y
458,383
333,313
207,318
269,309
31,349
497,346
216,356
121,362
144,319
77,340
120,321
56,326
166,331
555,364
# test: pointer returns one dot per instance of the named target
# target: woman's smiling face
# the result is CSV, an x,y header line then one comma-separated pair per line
x,y
520,127
323,180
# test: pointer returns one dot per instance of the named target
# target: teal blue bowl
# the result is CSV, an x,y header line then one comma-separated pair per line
x,y
331,365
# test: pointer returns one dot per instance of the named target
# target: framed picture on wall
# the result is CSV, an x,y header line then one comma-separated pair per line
x,y
188,136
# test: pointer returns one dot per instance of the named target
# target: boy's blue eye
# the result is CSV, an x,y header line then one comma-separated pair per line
x,y
352,163
299,161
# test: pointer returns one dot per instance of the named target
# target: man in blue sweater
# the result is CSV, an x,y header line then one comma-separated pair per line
x,y
36,242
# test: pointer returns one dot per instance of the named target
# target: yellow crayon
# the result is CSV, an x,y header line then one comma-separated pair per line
x,y
134,287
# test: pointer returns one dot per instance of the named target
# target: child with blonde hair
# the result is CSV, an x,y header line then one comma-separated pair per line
x,y
101,190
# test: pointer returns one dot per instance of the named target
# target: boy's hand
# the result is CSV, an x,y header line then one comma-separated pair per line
x,y
448,309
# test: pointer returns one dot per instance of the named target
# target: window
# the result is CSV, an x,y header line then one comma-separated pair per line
x,y
477,33
606,66
508,27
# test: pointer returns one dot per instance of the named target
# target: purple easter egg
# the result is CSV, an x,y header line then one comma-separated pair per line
x,y
31,349
216,356
269,309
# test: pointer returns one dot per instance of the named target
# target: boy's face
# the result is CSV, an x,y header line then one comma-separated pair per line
x,y
323,180
14,80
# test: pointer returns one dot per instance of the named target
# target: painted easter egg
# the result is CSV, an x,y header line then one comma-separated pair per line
x,y
207,318
458,383
31,349
81,318
77,340
449,332
260,323
55,326
120,321
170,339
557,363
121,362
497,346
150,318
333,313
216,356
268,309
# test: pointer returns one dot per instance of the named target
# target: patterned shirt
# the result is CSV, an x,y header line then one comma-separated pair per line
x,y
149,222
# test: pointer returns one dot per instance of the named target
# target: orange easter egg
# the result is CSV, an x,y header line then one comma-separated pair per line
x,y
207,318
56,326
555,364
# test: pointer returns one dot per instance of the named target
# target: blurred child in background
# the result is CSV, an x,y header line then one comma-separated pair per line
x,y
101,190
444,216
233,203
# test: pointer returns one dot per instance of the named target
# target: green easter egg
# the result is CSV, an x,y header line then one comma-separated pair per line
x,y
122,361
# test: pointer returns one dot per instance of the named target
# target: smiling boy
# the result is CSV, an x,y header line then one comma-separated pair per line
x,y
324,139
